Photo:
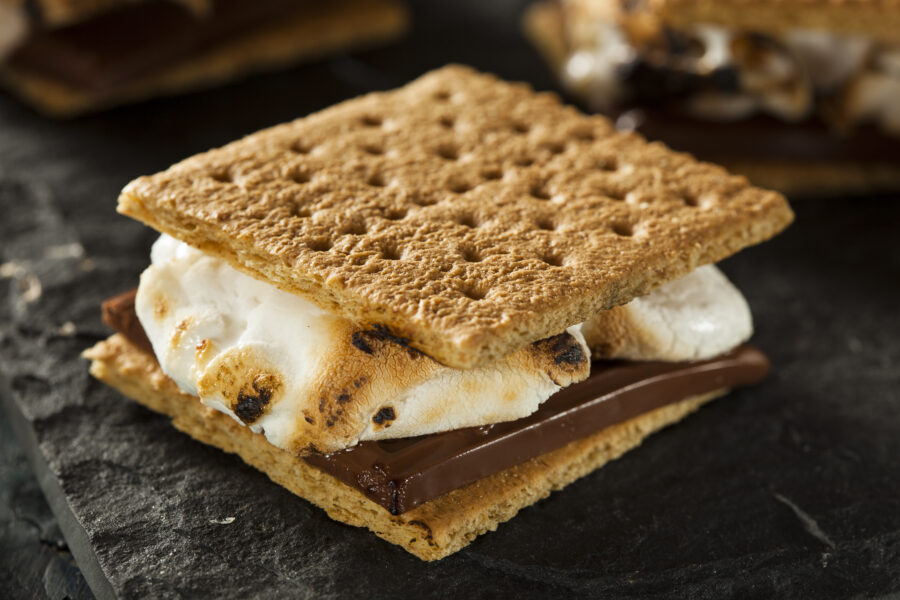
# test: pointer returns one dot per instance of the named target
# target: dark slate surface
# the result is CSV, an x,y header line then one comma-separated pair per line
x,y
790,489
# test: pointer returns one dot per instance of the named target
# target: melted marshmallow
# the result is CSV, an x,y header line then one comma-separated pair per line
x,y
699,316
202,317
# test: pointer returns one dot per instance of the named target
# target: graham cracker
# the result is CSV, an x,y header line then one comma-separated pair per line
x,y
467,215
307,33
430,531
875,19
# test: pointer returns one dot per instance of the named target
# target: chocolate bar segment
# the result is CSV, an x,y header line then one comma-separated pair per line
x,y
763,138
401,474
118,314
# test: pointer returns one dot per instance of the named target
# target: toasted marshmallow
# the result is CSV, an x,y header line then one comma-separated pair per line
x,y
696,317
311,381
829,60
782,75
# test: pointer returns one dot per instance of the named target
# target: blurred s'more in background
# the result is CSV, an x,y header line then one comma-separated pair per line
x,y
800,95
67,57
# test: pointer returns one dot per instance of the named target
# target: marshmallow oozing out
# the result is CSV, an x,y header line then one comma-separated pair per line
x,y
696,317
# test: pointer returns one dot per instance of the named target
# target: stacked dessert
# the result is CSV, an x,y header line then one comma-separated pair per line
x,y
796,94
391,307
72,56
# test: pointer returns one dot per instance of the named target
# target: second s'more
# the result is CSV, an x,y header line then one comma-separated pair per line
x,y
424,310
68,57
809,87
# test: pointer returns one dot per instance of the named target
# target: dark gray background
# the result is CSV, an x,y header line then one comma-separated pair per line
x,y
788,489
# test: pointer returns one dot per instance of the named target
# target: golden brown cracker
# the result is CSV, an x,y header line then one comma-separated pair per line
x,y
465,214
875,19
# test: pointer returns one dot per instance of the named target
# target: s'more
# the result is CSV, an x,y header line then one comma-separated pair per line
x,y
810,88
424,310
68,57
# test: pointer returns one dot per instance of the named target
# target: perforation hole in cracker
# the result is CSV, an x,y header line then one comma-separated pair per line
x,y
492,174
222,176
553,147
545,224
459,186
520,127
300,211
552,259
356,227
524,161
300,176
377,179
371,121
540,191
372,148
473,292
448,151
319,244
613,192
623,228
607,163
423,199
301,147
470,254
468,220
394,214
390,252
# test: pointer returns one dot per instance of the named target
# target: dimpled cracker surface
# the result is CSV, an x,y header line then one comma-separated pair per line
x,y
467,215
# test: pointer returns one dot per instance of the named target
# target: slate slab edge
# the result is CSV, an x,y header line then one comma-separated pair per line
x,y
76,536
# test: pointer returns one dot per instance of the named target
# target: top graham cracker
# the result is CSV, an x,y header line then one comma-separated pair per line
x,y
466,215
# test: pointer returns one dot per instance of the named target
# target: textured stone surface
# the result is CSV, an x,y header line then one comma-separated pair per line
x,y
790,489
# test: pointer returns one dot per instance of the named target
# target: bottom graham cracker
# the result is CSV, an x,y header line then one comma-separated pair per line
x,y
430,531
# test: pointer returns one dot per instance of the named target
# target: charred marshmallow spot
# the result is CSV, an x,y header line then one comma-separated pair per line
x,y
385,416
358,339
565,349
565,357
251,405
370,341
